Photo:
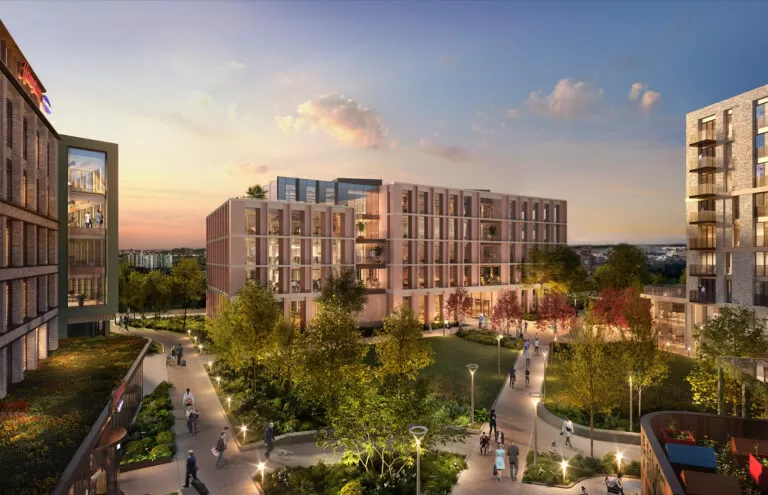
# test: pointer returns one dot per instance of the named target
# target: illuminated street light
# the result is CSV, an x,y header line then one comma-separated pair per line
x,y
261,468
418,433
564,466
545,359
243,429
229,403
619,455
667,346
218,381
498,351
689,351
535,398
472,368
630,402
189,332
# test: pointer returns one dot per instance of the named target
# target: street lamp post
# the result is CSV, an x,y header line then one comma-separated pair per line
x,y
218,382
472,368
545,360
630,402
418,433
535,398
498,351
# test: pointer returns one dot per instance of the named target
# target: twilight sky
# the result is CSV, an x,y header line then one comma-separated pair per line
x,y
575,100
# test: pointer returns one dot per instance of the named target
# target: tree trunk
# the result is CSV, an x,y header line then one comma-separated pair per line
x,y
591,431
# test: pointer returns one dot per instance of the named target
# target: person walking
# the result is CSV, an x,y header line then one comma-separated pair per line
x,y
536,344
499,436
526,348
512,377
499,465
527,376
221,446
191,468
513,452
269,437
567,431
179,354
188,399
492,421
525,328
485,440
87,220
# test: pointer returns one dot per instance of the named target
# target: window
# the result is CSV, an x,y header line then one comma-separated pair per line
x,y
512,210
707,129
452,201
760,176
24,139
728,263
311,194
760,116
729,125
468,206
24,189
546,213
9,122
8,180
762,150
24,288
534,211
7,244
290,192
25,243
37,149
438,206
557,213
8,294
735,206
761,260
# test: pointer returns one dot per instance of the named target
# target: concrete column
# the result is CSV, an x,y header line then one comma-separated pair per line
x,y
4,378
42,341
17,242
53,301
31,349
17,360
53,334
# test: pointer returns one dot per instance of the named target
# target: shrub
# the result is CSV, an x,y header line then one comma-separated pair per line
x,y
352,488
531,316
482,415
150,435
487,337
160,452
164,437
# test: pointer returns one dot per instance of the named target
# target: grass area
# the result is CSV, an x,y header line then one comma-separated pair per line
x,y
673,394
550,472
449,375
195,323
45,417
439,472
150,437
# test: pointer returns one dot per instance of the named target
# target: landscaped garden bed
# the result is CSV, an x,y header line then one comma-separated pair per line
x,y
486,337
549,470
439,472
195,323
680,437
46,417
150,439
729,464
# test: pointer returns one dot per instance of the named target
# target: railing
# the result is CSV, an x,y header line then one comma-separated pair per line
x,y
702,216
317,232
487,212
296,230
703,190
371,284
376,260
665,290
702,243
296,260
489,258
490,281
762,152
703,136
338,233
761,211
406,283
273,260
762,121
761,300
438,283
702,270
316,260
705,297
704,162
761,181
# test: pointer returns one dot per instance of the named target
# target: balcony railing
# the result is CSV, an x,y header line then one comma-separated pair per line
x,y
438,283
702,216
761,211
317,231
704,297
703,163
762,152
489,258
761,300
490,281
761,181
702,243
703,190
371,260
762,121
702,270
704,138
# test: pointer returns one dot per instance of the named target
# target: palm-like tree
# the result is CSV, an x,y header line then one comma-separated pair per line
x,y
256,192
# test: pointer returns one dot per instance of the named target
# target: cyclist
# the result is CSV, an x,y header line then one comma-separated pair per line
x,y
512,377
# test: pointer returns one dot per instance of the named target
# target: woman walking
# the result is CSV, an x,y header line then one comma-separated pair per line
x,y
498,467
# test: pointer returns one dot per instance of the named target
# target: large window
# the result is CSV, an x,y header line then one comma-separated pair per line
x,y
761,264
8,180
760,116
87,222
760,146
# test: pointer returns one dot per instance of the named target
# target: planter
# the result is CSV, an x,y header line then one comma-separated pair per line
x,y
758,472
672,436
133,466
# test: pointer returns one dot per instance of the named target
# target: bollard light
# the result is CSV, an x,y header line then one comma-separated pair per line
x,y
564,466
619,455
218,381
243,429
229,403
261,468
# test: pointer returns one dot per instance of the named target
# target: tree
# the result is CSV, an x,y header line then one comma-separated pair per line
x,y
555,311
593,382
256,192
279,350
159,292
401,348
459,304
136,292
329,355
507,312
734,332
622,309
122,287
187,283
345,291
626,267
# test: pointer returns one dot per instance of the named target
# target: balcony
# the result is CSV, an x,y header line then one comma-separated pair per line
x,y
761,300
705,164
702,216
702,270
490,281
702,243
273,260
762,121
704,191
761,211
761,181
489,258
705,138
702,297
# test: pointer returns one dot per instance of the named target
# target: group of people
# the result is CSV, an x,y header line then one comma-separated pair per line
x,y
512,452
526,353
176,355
123,321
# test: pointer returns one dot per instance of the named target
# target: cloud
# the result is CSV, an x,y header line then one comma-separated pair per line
x,y
343,118
480,129
513,113
393,144
247,170
236,65
636,90
450,153
232,111
649,99
568,101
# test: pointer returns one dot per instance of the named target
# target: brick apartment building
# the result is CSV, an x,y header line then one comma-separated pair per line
x,y
409,244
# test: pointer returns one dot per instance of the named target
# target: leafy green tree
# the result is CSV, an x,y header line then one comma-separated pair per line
x,y
626,267
329,354
279,350
256,192
136,292
187,283
592,380
401,348
558,268
159,292
122,286
344,290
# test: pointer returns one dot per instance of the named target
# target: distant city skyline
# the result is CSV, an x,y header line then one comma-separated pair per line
x,y
205,102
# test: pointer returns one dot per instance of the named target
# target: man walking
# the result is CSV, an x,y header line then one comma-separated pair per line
x,y
492,422
269,437
179,353
512,377
513,452
221,446
536,344
567,431
191,468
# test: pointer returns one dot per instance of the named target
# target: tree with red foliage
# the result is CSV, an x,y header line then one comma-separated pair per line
x,y
507,312
625,310
555,311
459,304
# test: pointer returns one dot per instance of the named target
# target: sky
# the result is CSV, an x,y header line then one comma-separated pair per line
x,y
579,101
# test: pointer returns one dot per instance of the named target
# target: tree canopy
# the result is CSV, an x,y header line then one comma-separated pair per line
x,y
626,267
344,290
187,283
507,312
459,304
256,192
558,268
401,349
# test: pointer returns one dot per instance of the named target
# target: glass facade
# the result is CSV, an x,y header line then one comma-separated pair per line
x,y
86,220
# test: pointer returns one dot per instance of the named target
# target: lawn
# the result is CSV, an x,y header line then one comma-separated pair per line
x,y
674,394
45,417
449,374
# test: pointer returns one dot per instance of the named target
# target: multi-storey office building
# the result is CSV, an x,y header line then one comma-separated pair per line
x,y
88,265
410,244
28,219
727,204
